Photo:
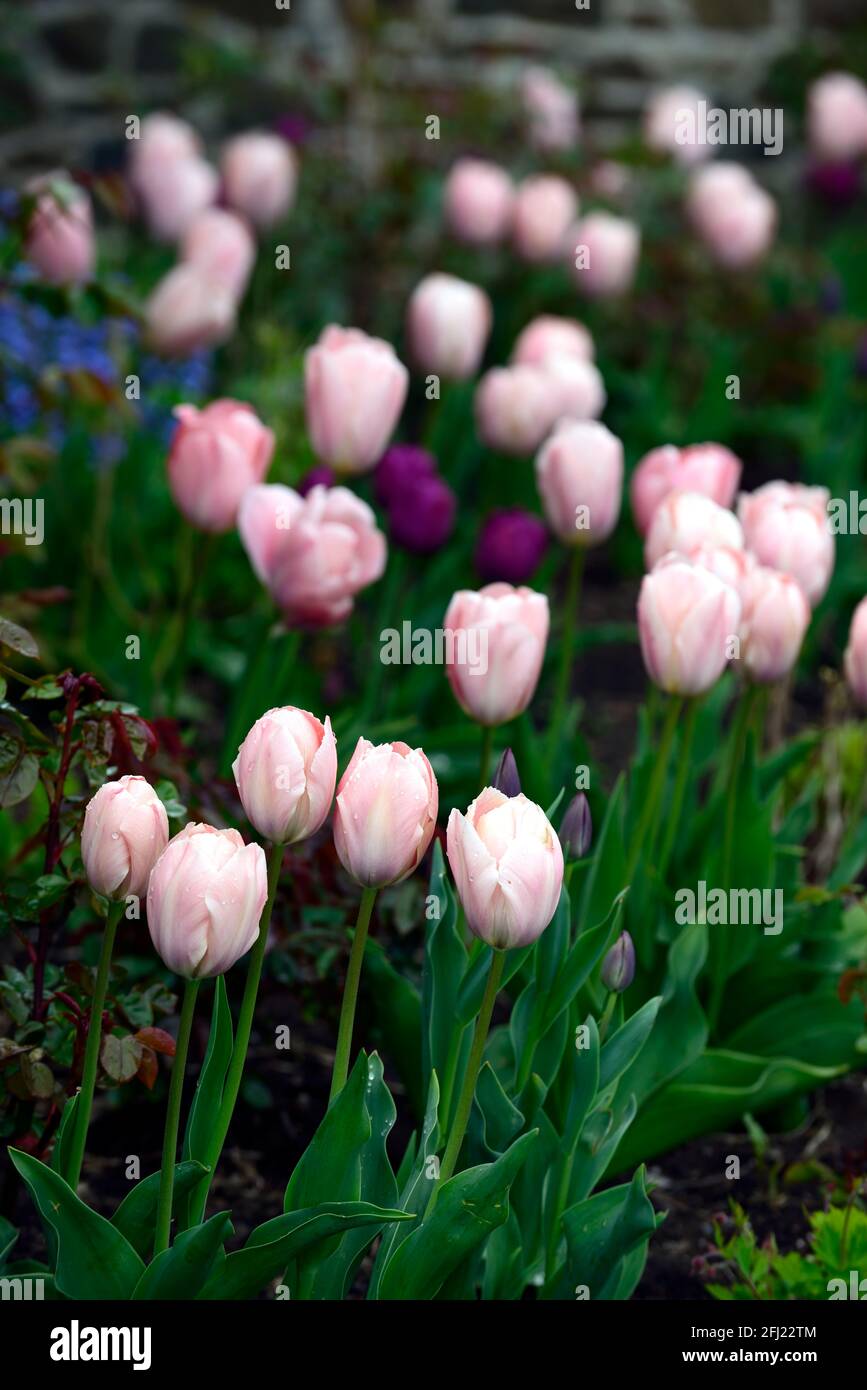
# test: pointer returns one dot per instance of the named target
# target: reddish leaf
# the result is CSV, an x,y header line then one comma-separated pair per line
x,y
157,1039
148,1067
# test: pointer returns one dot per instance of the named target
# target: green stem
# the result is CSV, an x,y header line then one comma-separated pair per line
x,y
657,782
740,728
84,1103
485,755
607,1012
560,1197
235,1070
680,784
350,994
471,1075
567,649
162,1230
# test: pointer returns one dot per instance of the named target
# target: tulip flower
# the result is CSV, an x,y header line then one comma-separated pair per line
x,y
686,620
670,124
618,967
479,198
544,209
401,466
384,819
577,388
285,773
515,408
163,139
730,565
579,474
354,389
421,514
786,526
172,193
59,240
711,469
550,336
855,656
734,216
685,520
576,828
499,636
260,173
837,117
217,454
220,246
186,311
510,546
551,110
125,831
313,553
774,618
604,252
448,325
506,779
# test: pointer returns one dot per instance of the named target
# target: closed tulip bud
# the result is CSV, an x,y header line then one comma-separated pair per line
x,y
421,514
686,621
579,474
217,454
125,831
576,827
399,468
618,967
855,656
544,210
551,109
285,773
205,898
786,526
508,868
510,546
186,312
837,116
671,124
354,389
313,553
506,779
774,618
163,139
735,218
60,241
711,469
515,408
550,336
386,812
604,252
577,389
221,246
479,198
448,323
172,194
732,566
260,173
686,520
498,638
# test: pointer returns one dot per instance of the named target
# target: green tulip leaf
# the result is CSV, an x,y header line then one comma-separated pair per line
x,y
601,1233
136,1215
182,1270
206,1101
416,1188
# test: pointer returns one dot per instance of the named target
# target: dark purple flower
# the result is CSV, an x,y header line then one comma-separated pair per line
x,y
320,475
839,184
421,514
618,967
293,126
511,543
576,827
506,779
400,465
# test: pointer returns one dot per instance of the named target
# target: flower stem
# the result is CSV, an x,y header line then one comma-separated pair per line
x,y
471,1075
84,1103
162,1229
485,755
235,1070
657,782
350,993
740,728
567,648
680,783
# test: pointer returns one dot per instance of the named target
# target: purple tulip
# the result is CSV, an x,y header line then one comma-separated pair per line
x,y
576,827
400,466
837,184
321,474
618,967
510,546
421,514
506,779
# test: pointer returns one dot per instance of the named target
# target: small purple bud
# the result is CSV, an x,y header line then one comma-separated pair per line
x,y
506,779
320,475
838,184
576,827
421,514
510,546
400,465
618,967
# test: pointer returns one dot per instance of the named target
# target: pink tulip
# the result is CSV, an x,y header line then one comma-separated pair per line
x,y
60,242
186,311
515,408
687,620
730,565
479,197
544,210
577,389
786,526
579,474
551,110
685,520
855,656
355,388
386,812
173,193
550,336
206,895
604,251
671,124
285,773
508,868
125,831
220,245
163,139
774,618
711,469
498,635
260,173
313,553
216,455
735,218
837,117
448,323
